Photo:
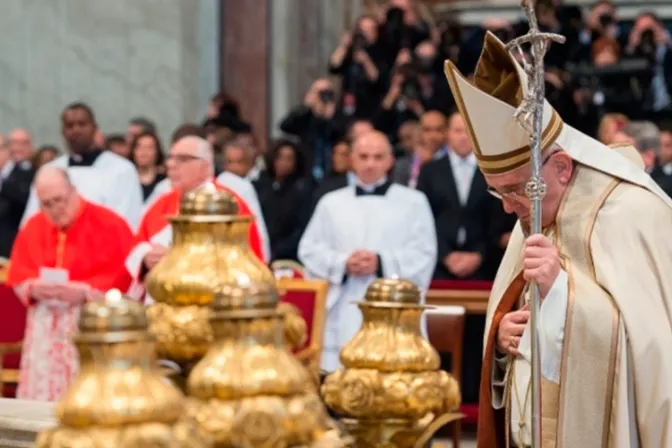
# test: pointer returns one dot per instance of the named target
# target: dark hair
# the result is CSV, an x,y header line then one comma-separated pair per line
x,y
114,139
186,130
299,161
78,105
160,157
665,126
608,3
146,124
41,150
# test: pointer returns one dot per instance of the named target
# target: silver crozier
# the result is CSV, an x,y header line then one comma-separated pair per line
x,y
530,116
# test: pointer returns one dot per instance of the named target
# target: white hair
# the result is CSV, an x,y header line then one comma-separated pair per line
x,y
646,135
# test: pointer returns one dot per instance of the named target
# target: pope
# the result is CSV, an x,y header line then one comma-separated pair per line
x,y
602,266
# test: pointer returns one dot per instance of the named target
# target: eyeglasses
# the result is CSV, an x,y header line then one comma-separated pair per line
x,y
54,202
182,158
517,193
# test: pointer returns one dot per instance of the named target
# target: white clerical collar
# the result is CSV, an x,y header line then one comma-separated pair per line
x,y
370,187
351,178
457,160
667,169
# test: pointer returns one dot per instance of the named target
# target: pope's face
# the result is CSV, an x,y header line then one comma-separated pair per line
x,y
510,188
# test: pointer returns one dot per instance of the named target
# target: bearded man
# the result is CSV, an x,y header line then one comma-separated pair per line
x,y
603,268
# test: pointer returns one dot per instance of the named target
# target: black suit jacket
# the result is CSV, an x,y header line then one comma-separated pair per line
x,y
13,198
328,185
480,217
662,179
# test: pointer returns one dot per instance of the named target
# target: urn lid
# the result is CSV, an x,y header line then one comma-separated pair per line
x,y
208,200
108,319
247,292
393,291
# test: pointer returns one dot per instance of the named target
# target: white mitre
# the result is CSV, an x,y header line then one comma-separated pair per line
x,y
501,145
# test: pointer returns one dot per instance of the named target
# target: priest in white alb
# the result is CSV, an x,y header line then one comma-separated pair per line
x,y
603,268
366,231
100,176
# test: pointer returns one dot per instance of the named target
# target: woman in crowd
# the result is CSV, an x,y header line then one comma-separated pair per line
x,y
284,192
147,155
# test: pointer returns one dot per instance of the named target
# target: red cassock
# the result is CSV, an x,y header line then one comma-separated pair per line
x,y
155,229
92,251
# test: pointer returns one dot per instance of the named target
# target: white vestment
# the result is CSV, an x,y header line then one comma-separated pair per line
x,y
398,226
112,181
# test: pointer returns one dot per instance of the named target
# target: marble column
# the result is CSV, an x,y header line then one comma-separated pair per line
x,y
156,58
303,35
245,59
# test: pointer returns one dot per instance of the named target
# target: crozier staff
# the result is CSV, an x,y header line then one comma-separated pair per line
x,y
602,266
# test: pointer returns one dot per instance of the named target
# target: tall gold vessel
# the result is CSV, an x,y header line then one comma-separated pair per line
x,y
391,391
119,400
209,252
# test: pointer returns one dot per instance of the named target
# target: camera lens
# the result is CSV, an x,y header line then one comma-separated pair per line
x,y
606,19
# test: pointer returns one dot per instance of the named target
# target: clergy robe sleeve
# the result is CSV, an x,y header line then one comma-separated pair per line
x,y
552,316
252,199
255,240
140,247
127,198
316,249
25,260
414,257
114,275
632,249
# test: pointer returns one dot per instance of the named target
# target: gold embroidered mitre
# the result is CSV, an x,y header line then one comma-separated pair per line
x,y
488,105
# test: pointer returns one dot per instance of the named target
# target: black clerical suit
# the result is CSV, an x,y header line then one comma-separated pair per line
x,y
438,182
14,193
663,177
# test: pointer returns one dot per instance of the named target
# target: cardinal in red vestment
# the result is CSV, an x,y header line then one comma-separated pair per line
x,y
69,252
190,165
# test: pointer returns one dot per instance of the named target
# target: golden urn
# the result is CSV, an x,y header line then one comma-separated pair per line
x,y
391,391
209,253
249,391
119,400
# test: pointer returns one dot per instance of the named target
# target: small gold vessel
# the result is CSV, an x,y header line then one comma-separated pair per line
x,y
119,400
391,391
209,252
249,390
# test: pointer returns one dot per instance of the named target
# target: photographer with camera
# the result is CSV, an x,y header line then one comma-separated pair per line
x,y
402,27
610,84
318,123
357,61
650,40
417,86
601,22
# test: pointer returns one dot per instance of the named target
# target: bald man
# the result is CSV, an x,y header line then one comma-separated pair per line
x,y
362,232
67,253
16,176
190,166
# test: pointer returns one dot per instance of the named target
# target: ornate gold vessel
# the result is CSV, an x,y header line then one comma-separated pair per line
x,y
249,390
391,391
119,400
209,252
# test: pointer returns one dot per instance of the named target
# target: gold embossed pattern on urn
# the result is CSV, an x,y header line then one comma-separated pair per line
x,y
209,251
249,390
391,389
118,399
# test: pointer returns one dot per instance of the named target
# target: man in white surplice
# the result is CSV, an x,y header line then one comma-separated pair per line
x,y
364,231
100,176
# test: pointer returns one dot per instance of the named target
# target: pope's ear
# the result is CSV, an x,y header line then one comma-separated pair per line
x,y
563,165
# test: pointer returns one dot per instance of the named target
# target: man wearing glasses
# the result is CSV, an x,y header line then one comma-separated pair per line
x,y
603,268
190,165
68,253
